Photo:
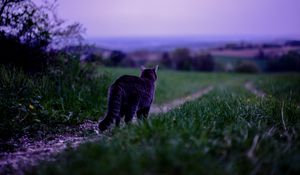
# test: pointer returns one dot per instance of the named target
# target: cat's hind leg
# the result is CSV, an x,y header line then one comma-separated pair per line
x,y
114,107
118,118
130,113
104,124
143,113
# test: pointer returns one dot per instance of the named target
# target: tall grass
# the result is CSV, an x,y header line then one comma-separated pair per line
x,y
284,86
36,104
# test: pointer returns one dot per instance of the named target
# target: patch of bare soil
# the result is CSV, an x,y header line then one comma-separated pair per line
x,y
251,87
30,152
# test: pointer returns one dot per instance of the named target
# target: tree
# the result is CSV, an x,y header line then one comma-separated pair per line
x,y
182,59
116,57
203,62
27,31
33,24
166,60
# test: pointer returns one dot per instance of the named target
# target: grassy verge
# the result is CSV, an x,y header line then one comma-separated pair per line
x,y
228,131
285,87
35,105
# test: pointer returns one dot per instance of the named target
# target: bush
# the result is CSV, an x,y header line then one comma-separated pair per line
x,y
115,58
166,61
182,59
247,67
36,104
31,58
28,31
203,62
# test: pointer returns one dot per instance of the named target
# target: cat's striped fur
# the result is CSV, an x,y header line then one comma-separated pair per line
x,y
130,95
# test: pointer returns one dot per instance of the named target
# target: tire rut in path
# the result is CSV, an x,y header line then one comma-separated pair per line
x,y
164,108
30,153
249,85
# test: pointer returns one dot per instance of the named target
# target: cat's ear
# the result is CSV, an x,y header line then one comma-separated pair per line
x,y
156,68
142,68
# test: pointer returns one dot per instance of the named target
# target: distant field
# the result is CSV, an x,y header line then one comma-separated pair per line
x,y
233,57
228,131
251,53
262,64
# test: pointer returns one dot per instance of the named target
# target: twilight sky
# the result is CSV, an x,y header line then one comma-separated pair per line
x,y
107,18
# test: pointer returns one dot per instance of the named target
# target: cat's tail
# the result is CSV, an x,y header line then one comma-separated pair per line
x,y
114,107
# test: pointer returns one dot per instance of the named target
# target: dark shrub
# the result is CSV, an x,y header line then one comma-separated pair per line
x,y
128,62
116,57
166,60
94,58
37,104
182,59
27,31
203,62
247,67
31,58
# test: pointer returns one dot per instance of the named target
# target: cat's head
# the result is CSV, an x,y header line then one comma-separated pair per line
x,y
149,73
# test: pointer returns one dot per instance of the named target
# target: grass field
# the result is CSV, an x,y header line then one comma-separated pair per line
x,y
284,86
172,84
228,131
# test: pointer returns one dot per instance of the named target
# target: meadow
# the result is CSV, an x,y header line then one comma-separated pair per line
x,y
60,100
227,131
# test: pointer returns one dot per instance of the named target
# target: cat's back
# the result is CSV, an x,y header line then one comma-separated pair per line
x,y
132,84
128,81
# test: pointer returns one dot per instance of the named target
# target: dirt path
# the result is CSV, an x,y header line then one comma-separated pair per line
x,y
251,87
31,152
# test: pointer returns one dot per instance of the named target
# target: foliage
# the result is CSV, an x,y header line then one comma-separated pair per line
x,y
115,58
228,131
184,60
247,67
36,104
166,61
203,62
284,86
27,31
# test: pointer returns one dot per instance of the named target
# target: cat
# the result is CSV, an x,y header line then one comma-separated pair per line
x,y
129,96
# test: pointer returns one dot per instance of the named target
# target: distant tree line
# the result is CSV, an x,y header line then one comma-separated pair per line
x,y
182,59
185,59
179,59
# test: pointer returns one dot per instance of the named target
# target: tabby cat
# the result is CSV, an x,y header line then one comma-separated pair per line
x,y
130,95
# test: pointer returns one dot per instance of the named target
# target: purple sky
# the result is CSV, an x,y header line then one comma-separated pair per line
x,y
107,18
